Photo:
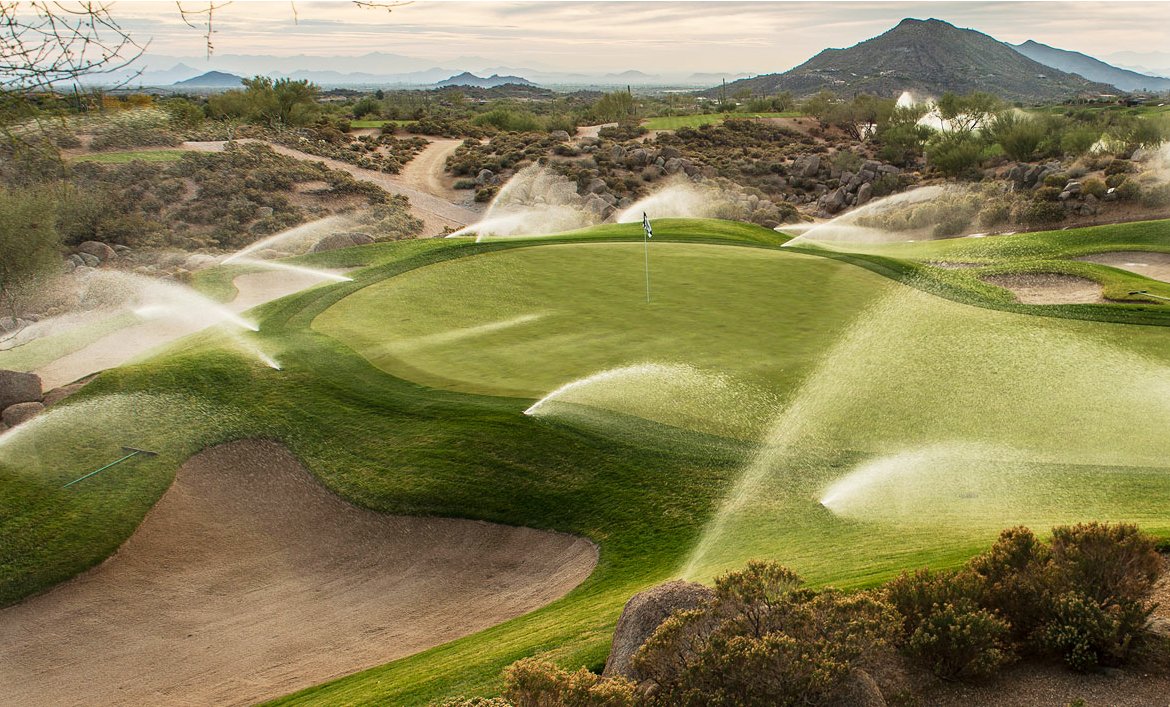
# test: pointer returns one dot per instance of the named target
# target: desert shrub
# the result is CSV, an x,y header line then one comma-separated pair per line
x,y
1087,633
1107,562
764,640
624,130
1156,196
954,154
1120,167
367,106
1093,187
847,161
1013,581
28,246
943,627
464,184
995,214
1039,213
1129,190
1018,136
532,682
1079,140
485,194
1056,179
1047,193
147,127
902,143
1114,180
509,120
390,220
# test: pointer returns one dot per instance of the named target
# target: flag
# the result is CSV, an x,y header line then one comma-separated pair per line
x,y
646,226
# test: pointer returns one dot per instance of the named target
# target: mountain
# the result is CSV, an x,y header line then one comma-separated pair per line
x,y
710,77
1154,62
1090,68
212,79
927,57
469,79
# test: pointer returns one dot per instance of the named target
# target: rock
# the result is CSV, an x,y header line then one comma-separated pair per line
x,y
867,175
361,238
1159,626
833,201
264,212
659,161
485,176
1110,194
673,165
559,135
90,260
83,271
889,169
643,614
1073,187
640,157
76,260
598,206
858,690
870,166
618,153
14,415
864,193
808,166
120,249
56,395
668,153
17,387
99,250
596,186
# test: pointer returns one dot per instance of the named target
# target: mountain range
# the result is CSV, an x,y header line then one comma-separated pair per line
x,y
469,79
1090,68
927,57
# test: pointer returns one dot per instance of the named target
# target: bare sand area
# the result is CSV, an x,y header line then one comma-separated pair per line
x,y
249,580
1049,288
1153,265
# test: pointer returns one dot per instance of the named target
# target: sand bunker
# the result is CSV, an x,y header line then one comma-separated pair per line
x,y
249,580
1152,265
1049,288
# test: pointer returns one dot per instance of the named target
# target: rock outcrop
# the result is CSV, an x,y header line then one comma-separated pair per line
x,y
643,614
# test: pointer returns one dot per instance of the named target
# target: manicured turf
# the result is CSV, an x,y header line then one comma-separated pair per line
x,y
132,155
947,421
674,122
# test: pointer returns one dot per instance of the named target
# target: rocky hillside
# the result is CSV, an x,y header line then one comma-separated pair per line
x,y
1090,68
928,57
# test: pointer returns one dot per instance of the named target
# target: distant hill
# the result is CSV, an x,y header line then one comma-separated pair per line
x,y
469,79
1090,68
926,57
212,79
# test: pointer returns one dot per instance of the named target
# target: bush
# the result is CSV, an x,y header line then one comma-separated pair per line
x,y
954,154
625,130
1018,136
485,194
532,682
1093,187
994,215
960,642
1088,634
1039,213
508,120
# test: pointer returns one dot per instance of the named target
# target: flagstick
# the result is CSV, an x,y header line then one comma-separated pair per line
x,y
646,247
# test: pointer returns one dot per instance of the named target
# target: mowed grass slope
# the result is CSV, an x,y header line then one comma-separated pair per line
x,y
949,420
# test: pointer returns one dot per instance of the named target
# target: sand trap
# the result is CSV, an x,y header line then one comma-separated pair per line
x,y
1152,265
131,343
1049,288
249,580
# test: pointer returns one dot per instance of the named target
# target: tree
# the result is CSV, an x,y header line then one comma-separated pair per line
x,y
1018,135
965,114
613,107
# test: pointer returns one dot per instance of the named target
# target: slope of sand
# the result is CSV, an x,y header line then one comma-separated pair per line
x,y
1153,265
249,580
1049,288
130,343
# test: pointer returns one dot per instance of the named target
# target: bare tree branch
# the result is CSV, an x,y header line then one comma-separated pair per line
x,y
193,20
45,43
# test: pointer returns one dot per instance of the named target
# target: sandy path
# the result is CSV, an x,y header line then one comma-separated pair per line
x,y
1049,288
249,580
592,130
1152,265
435,213
125,345
427,172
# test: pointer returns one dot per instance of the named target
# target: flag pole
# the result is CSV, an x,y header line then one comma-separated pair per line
x,y
646,248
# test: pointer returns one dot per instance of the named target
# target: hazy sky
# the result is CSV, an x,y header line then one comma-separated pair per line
x,y
754,37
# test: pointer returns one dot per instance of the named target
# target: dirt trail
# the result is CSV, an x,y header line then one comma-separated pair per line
x,y
436,213
249,580
125,345
427,172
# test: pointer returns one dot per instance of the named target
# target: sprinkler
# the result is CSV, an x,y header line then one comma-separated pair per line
x,y
133,452
1148,294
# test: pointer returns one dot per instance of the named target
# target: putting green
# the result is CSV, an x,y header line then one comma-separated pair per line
x,y
896,408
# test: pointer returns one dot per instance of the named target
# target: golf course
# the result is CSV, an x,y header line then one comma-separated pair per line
x,y
669,408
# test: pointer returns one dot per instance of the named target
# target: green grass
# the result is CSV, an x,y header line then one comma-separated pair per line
x,y
964,419
674,122
131,156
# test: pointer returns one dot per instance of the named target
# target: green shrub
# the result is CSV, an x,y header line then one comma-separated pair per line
x,y
1156,196
1013,581
485,194
1129,190
954,154
1087,634
464,184
994,215
1018,136
532,682
623,131
960,642
508,120
1093,187
1039,213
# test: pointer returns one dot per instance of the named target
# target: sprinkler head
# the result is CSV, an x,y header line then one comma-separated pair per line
x,y
1139,292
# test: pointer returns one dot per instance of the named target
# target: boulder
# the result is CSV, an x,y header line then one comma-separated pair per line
x,y
1073,187
75,259
673,165
833,201
889,169
361,238
668,153
90,260
14,415
56,395
99,250
618,153
17,387
858,690
640,157
643,614
485,176
864,193
870,166
808,166
867,175
264,212
121,249
596,186
559,135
